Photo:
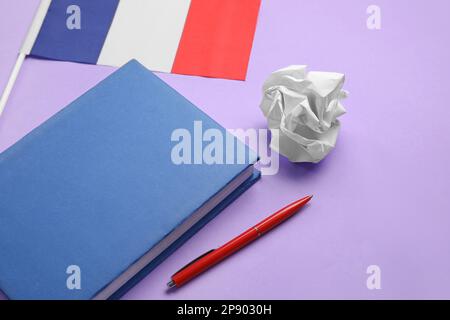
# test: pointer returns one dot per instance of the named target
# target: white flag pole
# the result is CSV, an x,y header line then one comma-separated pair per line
x,y
11,81
25,50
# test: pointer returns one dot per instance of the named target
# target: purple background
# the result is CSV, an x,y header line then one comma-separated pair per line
x,y
381,197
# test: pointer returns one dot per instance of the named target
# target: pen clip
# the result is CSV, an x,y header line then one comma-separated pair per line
x,y
196,259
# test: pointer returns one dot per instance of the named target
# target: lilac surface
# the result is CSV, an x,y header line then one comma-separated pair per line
x,y
380,198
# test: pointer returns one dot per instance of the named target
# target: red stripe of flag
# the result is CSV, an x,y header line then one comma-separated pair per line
x,y
217,38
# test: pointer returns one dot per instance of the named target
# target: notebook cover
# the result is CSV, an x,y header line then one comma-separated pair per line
x,y
151,266
94,186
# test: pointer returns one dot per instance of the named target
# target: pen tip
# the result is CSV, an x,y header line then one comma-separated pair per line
x,y
306,199
300,203
171,284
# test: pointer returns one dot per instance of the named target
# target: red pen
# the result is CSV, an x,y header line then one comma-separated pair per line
x,y
215,256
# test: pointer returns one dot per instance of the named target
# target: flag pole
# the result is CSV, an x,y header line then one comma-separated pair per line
x,y
11,81
25,50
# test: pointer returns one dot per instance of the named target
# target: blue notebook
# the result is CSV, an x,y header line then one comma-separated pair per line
x,y
96,192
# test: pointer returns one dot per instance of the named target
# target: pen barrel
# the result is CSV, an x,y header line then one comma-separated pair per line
x,y
214,257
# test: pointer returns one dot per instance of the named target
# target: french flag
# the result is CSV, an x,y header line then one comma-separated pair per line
x,y
211,38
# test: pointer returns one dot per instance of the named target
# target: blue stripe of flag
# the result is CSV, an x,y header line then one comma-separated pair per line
x,y
59,42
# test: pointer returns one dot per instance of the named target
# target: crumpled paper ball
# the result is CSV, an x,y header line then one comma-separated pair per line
x,y
302,109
